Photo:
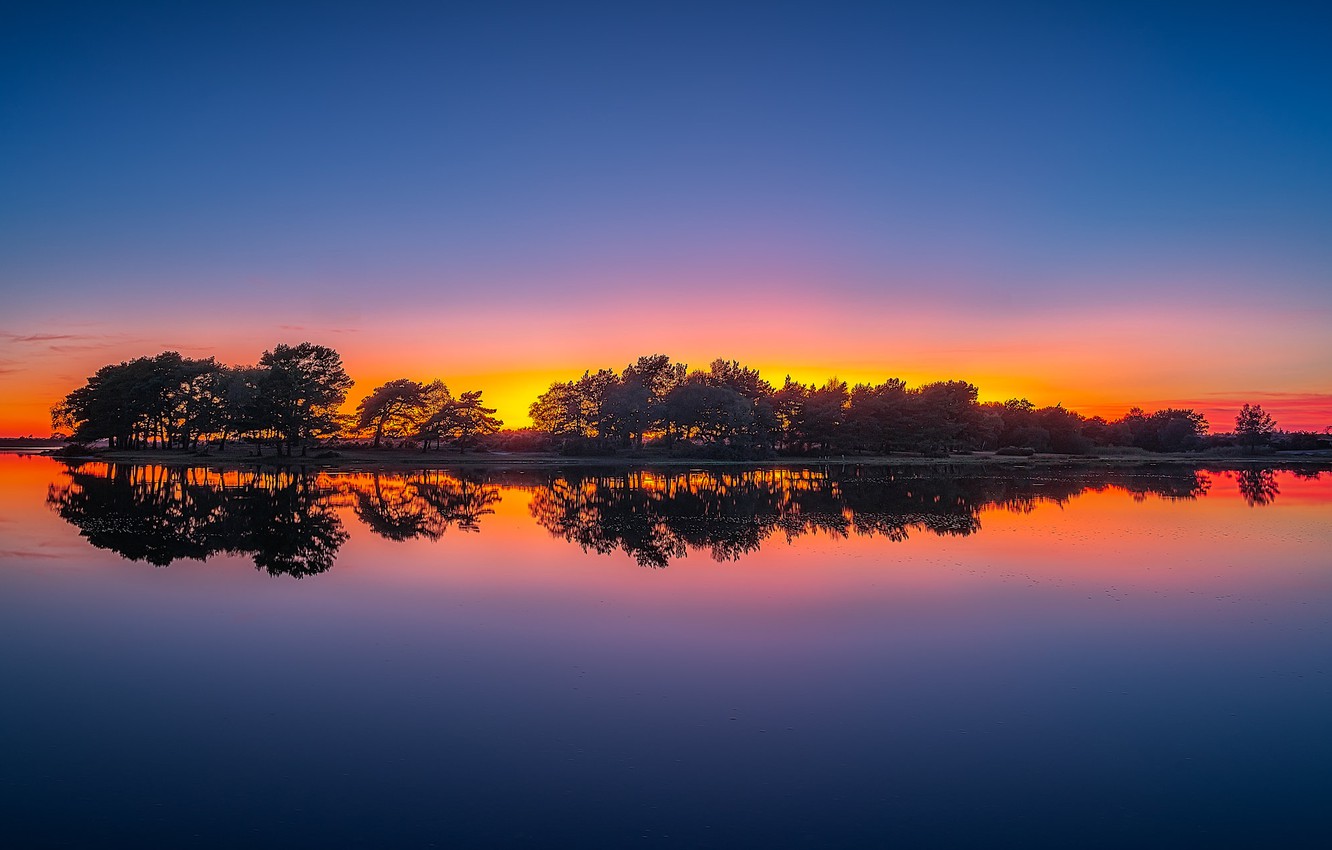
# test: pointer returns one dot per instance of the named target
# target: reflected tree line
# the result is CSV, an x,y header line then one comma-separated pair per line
x,y
293,523
162,514
288,523
656,517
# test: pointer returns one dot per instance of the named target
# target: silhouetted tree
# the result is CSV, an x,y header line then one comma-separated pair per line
x,y
1167,430
1254,426
167,401
653,376
627,411
462,421
238,392
107,406
394,407
558,411
699,410
820,421
788,403
1064,430
300,391
949,416
602,410
879,417
576,408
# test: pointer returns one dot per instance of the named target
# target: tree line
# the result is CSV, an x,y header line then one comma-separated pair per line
x,y
729,410
292,398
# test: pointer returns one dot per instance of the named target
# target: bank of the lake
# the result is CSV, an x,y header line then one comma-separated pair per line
x,y
391,459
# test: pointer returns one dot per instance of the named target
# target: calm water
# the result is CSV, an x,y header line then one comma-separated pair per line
x,y
724,658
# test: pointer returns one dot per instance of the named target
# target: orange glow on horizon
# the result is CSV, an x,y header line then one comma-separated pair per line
x,y
1097,364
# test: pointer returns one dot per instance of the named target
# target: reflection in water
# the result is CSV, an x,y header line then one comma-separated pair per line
x,y
291,522
425,504
287,522
163,514
654,517
657,516
1040,653
1258,486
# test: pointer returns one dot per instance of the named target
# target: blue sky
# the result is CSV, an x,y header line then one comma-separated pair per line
x,y
990,158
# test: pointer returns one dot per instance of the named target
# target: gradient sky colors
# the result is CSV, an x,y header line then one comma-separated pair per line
x,y
1100,205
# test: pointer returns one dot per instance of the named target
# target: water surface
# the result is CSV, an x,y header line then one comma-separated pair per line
x,y
724,657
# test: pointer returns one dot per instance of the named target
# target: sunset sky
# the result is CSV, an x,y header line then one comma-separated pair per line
x,y
1096,204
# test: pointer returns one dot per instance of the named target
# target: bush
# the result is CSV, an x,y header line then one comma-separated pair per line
x,y
1303,441
718,451
519,440
1016,451
585,447
73,450
1123,451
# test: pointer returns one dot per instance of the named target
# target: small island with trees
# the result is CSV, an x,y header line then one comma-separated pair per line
x,y
291,403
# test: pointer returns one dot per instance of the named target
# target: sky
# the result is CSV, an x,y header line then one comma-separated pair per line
x,y
1100,205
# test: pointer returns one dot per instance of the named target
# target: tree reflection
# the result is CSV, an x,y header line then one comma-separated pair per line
x,y
425,504
655,517
1258,486
287,522
163,514
292,522
289,529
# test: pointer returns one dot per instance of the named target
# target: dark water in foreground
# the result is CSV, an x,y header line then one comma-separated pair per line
x,y
723,658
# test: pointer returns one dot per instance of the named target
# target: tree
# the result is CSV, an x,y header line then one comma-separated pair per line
x,y
462,421
878,416
1254,426
300,392
788,403
435,397
558,412
1064,428
745,381
238,391
824,412
167,400
392,407
1167,430
577,409
106,406
714,413
949,415
627,411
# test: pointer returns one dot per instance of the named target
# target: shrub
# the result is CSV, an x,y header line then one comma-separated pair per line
x,y
585,447
73,450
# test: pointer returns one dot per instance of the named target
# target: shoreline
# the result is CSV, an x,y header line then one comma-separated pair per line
x,y
369,460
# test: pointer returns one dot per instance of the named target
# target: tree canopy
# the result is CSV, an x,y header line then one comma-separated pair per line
x,y
1254,426
729,410
393,407
294,396
300,390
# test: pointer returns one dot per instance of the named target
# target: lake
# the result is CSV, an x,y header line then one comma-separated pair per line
x,y
722,657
